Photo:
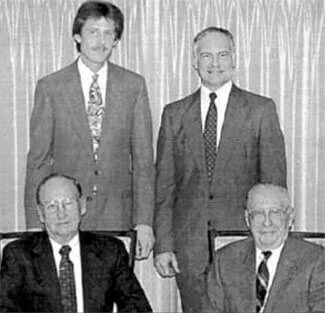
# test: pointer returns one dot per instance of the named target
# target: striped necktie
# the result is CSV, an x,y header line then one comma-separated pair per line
x,y
67,283
262,281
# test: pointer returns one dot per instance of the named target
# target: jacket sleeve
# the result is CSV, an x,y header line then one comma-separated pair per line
x,y
165,186
11,282
142,159
40,151
129,296
272,159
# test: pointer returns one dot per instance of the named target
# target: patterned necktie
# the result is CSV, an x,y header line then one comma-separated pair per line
x,y
262,281
210,136
66,278
95,112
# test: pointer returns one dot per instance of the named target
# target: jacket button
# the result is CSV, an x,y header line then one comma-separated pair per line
x,y
96,172
211,197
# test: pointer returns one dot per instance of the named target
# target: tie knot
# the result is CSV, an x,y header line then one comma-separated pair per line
x,y
212,96
65,250
266,254
95,77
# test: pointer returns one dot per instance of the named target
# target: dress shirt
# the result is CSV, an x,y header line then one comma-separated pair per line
x,y
86,76
221,103
75,258
272,264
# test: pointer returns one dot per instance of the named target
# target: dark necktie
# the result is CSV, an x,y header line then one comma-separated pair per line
x,y
95,112
210,136
66,278
262,281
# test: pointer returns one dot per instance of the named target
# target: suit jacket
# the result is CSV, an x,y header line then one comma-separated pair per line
x,y
298,285
60,141
29,281
251,150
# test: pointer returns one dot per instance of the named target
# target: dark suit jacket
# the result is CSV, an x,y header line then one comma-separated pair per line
x,y
29,282
60,141
251,150
298,285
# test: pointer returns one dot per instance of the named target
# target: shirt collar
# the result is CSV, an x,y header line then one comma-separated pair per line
x,y
84,70
275,252
222,92
73,243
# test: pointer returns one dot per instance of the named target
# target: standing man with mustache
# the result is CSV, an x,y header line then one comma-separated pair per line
x,y
91,120
213,146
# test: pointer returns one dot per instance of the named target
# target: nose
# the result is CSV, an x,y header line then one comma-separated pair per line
x,y
266,220
61,211
215,60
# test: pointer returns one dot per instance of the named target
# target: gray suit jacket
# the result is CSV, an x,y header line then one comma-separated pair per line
x,y
298,285
251,150
60,141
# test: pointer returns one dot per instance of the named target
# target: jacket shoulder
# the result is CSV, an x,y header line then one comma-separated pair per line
x,y
101,241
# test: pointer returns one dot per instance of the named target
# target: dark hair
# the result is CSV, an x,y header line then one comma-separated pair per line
x,y
213,29
96,10
56,175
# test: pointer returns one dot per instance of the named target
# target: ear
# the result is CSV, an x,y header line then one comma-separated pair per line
x,y
291,216
40,214
77,38
247,219
83,205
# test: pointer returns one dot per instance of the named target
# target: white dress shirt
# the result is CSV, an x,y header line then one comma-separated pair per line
x,y
271,264
221,103
86,76
75,258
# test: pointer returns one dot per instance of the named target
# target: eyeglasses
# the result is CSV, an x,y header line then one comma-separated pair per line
x,y
53,206
272,213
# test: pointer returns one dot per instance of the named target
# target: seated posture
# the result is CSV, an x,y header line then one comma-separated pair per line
x,y
64,269
270,271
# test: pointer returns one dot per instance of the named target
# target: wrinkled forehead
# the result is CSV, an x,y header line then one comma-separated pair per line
x,y
268,198
58,188
214,41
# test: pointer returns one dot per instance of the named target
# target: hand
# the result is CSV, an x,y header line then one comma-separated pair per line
x,y
145,241
166,264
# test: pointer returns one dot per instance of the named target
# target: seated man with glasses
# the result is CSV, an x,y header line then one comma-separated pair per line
x,y
63,269
270,271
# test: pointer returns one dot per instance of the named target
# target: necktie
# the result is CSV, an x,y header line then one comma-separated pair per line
x,y
95,113
210,136
262,281
66,278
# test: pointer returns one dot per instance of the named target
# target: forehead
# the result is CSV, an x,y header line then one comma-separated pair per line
x,y
268,199
58,187
100,22
214,41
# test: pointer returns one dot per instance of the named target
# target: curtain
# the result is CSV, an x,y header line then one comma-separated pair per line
x,y
280,49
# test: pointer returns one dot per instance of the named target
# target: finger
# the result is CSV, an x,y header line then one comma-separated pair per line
x,y
175,264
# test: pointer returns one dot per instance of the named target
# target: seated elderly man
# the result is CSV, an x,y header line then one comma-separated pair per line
x,y
63,269
270,271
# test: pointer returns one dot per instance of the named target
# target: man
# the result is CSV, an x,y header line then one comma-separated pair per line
x,y
213,146
91,120
37,276
270,272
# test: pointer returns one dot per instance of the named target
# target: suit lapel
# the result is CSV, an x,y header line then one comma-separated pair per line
x,y
45,271
234,118
193,127
246,275
114,106
73,94
91,272
286,269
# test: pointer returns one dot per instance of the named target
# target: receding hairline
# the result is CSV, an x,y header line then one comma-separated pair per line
x,y
211,30
53,176
281,193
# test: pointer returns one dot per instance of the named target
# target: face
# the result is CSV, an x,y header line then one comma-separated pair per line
x,y
214,60
61,209
269,220
97,40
